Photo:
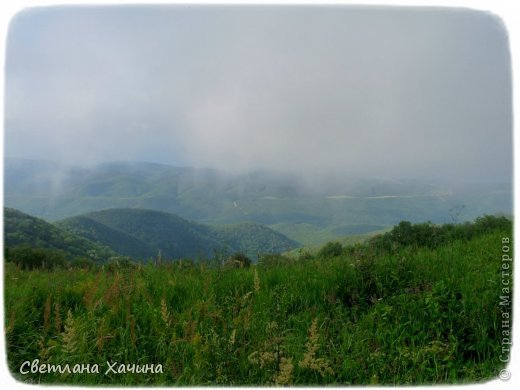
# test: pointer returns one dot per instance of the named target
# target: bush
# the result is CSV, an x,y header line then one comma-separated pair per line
x,y
120,263
304,255
489,223
431,236
31,258
238,260
83,263
331,249
273,260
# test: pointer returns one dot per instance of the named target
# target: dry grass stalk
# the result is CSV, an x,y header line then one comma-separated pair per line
x,y
69,335
309,360
57,317
232,338
256,281
133,335
285,371
113,292
47,314
10,325
262,358
165,314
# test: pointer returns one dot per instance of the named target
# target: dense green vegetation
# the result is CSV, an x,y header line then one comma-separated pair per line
x,y
396,310
25,231
430,235
311,213
143,233
118,240
139,234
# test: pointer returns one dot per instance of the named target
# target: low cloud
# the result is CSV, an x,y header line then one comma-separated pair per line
x,y
362,91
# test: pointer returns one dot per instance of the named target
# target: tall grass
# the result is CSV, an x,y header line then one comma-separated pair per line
x,y
412,315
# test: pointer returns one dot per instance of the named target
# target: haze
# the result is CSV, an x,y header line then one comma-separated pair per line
x,y
397,92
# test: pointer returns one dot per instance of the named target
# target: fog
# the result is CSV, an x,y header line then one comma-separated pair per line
x,y
308,90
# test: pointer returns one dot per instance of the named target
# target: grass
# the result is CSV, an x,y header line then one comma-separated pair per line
x,y
406,316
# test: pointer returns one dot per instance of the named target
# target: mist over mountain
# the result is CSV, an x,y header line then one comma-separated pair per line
x,y
365,91
314,121
308,212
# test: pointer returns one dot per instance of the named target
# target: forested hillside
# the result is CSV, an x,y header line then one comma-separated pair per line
x,y
141,235
25,231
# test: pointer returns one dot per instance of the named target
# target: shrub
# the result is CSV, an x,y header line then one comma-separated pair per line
x,y
31,258
83,262
430,235
273,259
120,263
238,260
488,223
331,249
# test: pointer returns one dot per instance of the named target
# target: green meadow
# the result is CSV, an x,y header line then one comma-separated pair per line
x,y
419,304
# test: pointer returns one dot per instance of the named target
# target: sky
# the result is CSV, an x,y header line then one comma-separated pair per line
x,y
392,92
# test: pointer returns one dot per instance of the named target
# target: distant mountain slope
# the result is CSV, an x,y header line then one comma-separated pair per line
x,y
308,211
142,233
174,236
117,240
252,238
345,241
21,229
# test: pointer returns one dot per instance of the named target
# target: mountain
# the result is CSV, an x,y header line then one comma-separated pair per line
x,y
143,233
251,238
118,241
21,229
307,211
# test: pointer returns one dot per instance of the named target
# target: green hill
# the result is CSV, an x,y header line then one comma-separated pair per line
x,y
23,230
142,234
117,240
251,238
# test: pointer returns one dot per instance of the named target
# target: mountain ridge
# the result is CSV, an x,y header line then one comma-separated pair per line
x,y
140,234
22,229
151,231
309,211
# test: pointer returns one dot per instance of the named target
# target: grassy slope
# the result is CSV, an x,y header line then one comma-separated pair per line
x,y
415,316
